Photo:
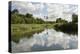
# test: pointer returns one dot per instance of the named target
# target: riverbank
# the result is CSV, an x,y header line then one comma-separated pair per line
x,y
26,30
19,31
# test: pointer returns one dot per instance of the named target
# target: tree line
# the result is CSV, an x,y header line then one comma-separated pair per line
x,y
69,27
17,18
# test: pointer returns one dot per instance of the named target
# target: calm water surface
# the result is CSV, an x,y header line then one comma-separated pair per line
x,y
49,39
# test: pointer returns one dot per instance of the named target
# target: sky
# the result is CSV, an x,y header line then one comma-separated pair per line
x,y
52,10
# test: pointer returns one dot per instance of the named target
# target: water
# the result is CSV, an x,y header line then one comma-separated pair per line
x,y
49,39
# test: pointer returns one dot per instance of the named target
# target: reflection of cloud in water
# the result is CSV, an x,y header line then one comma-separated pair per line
x,y
47,40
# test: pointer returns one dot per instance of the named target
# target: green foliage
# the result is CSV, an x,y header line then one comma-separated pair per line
x,y
15,18
69,27
15,11
60,24
25,30
29,15
74,18
59,20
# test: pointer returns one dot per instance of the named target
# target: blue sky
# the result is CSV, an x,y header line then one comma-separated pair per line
x,y
53,11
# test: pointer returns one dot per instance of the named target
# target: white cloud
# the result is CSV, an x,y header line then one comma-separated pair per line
x,y
53,11
34,8
61,11
26,7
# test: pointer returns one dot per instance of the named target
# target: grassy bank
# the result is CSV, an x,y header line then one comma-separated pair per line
x,y
26,30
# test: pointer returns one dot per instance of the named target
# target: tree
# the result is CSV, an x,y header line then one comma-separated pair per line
x,y
17,19
74,18
58,20
29,15
15,11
